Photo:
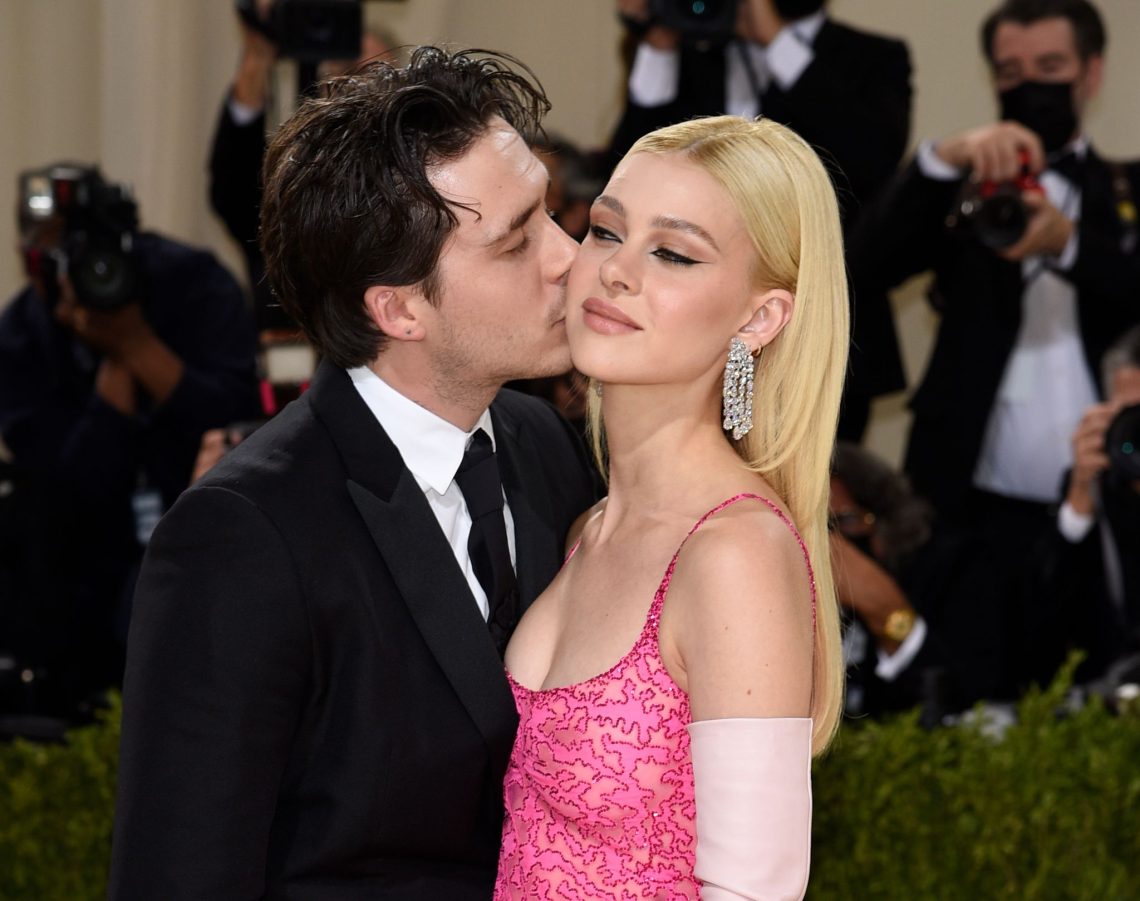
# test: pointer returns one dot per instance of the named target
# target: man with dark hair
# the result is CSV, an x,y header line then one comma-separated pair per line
x,y
846,91
1028,310
315,703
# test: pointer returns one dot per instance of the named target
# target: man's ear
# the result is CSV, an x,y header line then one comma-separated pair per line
x,y
771,311
397,312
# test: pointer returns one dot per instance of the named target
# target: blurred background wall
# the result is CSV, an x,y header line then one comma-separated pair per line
x,y
136,85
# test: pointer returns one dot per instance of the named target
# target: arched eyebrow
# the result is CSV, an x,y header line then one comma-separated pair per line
x,y
671,222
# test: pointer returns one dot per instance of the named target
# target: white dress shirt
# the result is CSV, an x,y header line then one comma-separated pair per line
x,y
1047,384
241,113
432,449
655,77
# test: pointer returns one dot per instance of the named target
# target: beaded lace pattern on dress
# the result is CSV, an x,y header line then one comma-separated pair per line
x,y
599,788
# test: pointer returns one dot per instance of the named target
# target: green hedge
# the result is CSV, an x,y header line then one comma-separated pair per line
x,y
56,806
1049,811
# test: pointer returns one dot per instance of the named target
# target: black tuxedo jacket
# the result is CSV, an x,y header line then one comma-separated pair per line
x,y
235,175
1070,595
235,195
965,655
313,705
979,297
852,104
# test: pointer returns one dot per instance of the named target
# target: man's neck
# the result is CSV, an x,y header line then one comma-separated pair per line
x,y
460,405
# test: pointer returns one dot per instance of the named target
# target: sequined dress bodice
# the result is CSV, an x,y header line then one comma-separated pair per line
x,y
599,788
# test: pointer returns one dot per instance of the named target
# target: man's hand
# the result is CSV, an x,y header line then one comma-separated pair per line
x,y
126,339
115,384
758,21
258,56
657,36
114,333
1089,457
637,10
993,152
1048,229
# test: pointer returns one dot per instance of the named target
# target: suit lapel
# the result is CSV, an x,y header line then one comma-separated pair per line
x,y
422,564
537,550
431,584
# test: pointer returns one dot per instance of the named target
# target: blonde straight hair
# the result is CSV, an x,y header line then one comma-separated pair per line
x,y
787,202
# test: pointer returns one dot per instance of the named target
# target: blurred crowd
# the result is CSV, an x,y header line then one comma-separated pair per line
x,y
130,362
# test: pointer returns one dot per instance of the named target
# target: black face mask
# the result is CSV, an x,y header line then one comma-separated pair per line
x,y
1045,108
789,10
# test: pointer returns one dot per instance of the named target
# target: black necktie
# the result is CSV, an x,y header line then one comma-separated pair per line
x,y
478,479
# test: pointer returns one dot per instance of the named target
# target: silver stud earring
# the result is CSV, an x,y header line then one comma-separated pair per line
x,y
738,376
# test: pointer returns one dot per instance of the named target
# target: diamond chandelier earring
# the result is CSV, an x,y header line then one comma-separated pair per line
x,y
738,377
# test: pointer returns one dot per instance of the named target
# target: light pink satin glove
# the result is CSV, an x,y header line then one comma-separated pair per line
x,y
752,778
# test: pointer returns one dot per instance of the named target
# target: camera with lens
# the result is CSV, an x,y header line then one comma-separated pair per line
x,y
1122,443
75,223
309,31
697,20
993,211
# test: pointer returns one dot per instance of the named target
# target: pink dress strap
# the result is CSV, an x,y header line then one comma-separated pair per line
x,y
659,600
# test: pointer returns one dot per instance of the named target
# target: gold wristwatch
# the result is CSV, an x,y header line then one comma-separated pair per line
x,y
899,623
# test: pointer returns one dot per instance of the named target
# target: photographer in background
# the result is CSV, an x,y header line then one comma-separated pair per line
x,y
123,348
925,624
846,92
1088,593
239,141
1036,277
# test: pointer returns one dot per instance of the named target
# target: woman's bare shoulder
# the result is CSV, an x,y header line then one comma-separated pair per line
x,y
753,542
738,621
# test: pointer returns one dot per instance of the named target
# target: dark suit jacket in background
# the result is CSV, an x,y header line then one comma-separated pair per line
x,y
314,707
979,296
67,570
235,195
963,658
1070,595
852,104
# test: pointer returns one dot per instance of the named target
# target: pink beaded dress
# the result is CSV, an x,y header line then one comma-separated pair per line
x,y
599,788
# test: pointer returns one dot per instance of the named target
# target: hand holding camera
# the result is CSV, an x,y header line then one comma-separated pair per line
x,y
665,23
759,21
258,56
114,332
997,152
1107,438
1047,230
1003,204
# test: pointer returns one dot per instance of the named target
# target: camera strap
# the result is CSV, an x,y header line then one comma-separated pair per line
x,y
1125,207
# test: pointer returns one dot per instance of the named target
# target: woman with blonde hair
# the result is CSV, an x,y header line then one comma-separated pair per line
x,y
677,677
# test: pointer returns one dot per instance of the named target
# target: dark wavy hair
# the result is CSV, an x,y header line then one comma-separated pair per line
x,y
902,518
347,202
1088,27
